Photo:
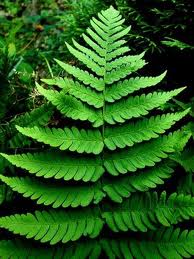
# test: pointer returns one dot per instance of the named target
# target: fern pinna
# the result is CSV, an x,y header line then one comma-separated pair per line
x,y
95,178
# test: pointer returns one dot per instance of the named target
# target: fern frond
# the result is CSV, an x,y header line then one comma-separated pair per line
x,y
144,154
99,39
117,52
79,91
71,107
59,165
84,59
123,88
142,181
185,159
100,191
89,141
124,61
100,51
123,71
57,196
138,213
17,248
55,226
115,22
83,76
37,117
58,81
85,94
110,31
145,129
163,243
120,34
89,53
143,212
137,106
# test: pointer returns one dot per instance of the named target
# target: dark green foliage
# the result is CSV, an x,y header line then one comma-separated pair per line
x,y
155,23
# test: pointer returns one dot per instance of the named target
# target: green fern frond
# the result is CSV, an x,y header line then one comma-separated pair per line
x,y
130,152
24,249
77,90
85,94
163,243
145,129
118,189
72,107
124,61
185,159
139,213
123,88
89,53
123,71
144,154
83,76
137,106
57,196
55,226
37,117
84,59
89,141
143,212
59,165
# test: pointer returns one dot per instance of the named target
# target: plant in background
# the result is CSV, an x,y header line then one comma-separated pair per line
x,y
15,75
186,158
98,172
154,20
45,25
10,139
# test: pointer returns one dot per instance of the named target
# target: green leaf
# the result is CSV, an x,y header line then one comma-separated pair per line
x,y
83,76
11,50
128,86
59,165
137,106
70,138
142,181
144,154
57,196
144,211
71,107
145,129
54,226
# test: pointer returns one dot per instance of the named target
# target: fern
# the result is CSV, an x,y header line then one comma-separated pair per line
x,y
164,243
185,159
102,171
71,225
58,165
47,194
39,116
72,139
